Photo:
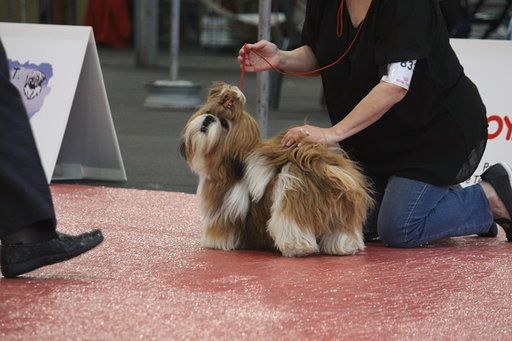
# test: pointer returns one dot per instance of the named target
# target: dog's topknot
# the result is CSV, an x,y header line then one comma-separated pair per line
x,y
224,92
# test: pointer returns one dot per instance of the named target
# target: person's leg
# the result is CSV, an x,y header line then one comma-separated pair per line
x,y
493,230
27,218
415,213
36,232
25,199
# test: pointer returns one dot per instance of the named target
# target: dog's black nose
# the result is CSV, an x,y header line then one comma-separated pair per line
x,y
209,119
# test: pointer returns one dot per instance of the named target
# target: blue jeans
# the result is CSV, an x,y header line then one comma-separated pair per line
x,y
410,213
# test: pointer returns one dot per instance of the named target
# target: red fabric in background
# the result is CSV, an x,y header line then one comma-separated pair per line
x,y
110,21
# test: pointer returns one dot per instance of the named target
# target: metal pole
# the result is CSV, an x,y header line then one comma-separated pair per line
x,y
146,32
263,78
173,93
175,39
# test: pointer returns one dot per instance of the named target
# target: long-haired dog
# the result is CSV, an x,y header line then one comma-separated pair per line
x,y
259,194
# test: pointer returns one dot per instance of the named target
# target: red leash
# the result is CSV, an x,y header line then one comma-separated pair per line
x,y
339,33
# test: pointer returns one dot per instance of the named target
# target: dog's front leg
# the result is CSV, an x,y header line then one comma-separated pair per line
x,y
219,234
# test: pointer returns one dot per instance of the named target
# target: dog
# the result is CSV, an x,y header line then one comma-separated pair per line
x,y
259,194
33,84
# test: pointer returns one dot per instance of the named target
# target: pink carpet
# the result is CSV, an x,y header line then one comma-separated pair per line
x,y
151,280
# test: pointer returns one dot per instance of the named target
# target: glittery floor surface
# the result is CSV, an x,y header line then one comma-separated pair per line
x,y
151,280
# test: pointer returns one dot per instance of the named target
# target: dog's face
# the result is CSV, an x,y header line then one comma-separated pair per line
x,y
220,134
33,83
35,78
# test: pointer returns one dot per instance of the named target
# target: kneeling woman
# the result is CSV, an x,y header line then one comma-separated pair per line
x,y
401,105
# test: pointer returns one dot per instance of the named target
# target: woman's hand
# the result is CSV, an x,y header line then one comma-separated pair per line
x,y
307,133
253,62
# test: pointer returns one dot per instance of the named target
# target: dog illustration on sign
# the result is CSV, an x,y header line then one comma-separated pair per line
x,y
32,82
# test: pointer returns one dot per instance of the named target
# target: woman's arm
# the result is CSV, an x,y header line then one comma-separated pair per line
x,y
371,108
301,59
380,99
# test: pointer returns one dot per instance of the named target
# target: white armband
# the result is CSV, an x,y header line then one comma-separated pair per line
x,y
400,74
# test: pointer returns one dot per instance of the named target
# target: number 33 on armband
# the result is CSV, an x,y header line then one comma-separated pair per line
x,y
409,65
400,73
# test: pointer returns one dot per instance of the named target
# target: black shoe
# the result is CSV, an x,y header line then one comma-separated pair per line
x,y
492,233
371,237
18,259
499,176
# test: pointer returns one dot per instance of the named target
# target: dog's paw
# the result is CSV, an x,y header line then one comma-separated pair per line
x,y
341,244
227,242
299,251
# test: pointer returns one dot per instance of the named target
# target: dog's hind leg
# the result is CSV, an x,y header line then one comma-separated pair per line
x,y
290,238
340,243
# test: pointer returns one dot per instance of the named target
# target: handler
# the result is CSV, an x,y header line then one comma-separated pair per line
x,y
27,217
401,105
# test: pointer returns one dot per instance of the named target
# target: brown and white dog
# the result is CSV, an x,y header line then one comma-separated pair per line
x,y
259,194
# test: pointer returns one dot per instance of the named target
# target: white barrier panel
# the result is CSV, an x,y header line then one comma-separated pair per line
x,y
488,63
57,70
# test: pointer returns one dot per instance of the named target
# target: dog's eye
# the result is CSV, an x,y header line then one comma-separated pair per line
x,y
224,123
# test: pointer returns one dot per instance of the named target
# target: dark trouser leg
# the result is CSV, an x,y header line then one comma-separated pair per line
x,y
36,232
25,197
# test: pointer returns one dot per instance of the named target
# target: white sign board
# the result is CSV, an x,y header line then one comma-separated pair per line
x,y
57,71
488,63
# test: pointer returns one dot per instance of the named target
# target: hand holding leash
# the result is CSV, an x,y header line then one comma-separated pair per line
x,y
260,56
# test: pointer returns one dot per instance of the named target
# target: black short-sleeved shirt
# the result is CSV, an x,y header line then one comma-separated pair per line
x,y
438,132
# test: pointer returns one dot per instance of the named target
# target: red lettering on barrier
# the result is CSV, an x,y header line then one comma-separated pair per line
x,y
502,124
497,119
509,128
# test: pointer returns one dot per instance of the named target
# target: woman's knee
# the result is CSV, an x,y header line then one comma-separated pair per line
x,y
402,215
396,234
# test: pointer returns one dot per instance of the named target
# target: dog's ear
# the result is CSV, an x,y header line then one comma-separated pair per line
x,y
183,150
42,77
243,137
